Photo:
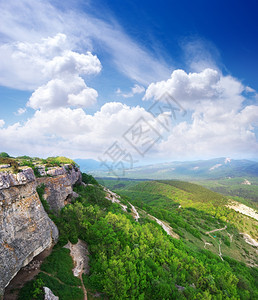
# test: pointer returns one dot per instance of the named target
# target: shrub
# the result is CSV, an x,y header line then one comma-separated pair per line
x,y
88,179
10,161
58,161
4,154
41,191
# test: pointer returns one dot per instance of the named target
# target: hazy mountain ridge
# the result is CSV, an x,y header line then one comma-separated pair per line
x,y
188,170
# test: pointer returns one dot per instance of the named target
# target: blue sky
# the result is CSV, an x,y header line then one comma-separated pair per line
x,y
77,76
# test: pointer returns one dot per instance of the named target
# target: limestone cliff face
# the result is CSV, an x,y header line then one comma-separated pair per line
x,y
25,228
59,187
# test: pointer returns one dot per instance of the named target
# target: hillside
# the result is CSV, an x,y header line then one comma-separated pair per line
x,y
243,189
147,247
192,211
165,239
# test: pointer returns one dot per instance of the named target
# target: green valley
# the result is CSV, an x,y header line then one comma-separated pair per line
x,y
205,257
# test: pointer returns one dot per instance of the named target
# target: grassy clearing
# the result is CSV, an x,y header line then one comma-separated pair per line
x,y
59,263
57,275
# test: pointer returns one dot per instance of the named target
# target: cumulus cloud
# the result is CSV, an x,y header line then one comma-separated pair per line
x,y
35,19
227,133
2,122
73,63
27,65
23,64
136,89
213,131
220,124
72,132
192,89
52,70
69,90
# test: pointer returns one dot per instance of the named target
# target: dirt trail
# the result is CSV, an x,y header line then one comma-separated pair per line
x,y
231,237
135,213
80,255
114,198
165,226
206,244
214,230
220,253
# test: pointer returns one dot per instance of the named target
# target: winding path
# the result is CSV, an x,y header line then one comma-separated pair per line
x,y
214,230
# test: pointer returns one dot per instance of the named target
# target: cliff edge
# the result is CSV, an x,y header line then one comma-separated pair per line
x,y
25,228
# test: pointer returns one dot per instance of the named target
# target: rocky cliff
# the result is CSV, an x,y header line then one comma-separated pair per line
x,y
25,228
59,187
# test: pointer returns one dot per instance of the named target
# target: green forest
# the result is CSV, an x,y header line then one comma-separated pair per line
x,y
138,260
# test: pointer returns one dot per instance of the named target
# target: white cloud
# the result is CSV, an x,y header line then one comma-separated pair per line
x,y
25,65
213,135
136,89
2,122
62,92
52,70
72,132
220,125
248,89
35,19
20,111
73,63
214,131
200,54
190,90
86,97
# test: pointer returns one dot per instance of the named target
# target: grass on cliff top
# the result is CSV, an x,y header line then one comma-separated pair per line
x,y
17,163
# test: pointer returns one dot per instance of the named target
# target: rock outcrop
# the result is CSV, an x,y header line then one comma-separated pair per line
x,y
59,187
49,294
25,228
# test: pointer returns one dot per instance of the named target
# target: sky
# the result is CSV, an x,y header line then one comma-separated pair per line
x,y
134,81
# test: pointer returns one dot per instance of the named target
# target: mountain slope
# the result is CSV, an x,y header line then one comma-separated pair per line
x,y
192,211
137,258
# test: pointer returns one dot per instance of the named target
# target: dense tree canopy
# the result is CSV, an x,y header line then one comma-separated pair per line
x,y
138,260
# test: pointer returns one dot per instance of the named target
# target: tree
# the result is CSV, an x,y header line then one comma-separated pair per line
x,y
4,154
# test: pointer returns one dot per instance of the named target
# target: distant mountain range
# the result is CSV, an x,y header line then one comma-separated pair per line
x,y
200,169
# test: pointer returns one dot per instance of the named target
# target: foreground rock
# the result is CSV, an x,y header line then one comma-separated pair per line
x,y
25,228
59,187
80,255
49,294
